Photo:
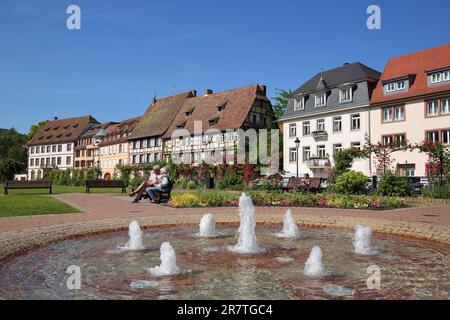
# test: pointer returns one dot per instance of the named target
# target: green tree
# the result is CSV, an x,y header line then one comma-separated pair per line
x,y
280,102
13,146
8,168
343,161
35,128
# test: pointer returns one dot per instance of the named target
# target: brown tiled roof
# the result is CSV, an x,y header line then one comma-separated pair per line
x,y
124,129
159,116
61,130
416,64
236,104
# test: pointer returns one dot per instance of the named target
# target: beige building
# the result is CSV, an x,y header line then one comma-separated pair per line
x,y
412,103
113,149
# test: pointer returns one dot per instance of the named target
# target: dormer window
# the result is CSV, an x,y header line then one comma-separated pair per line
x,y
394,86
181,126
213,122
221,108
190,112
299,103
439,77
345,94
321,100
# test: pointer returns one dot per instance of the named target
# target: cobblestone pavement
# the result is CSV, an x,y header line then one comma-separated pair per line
x,y
102,212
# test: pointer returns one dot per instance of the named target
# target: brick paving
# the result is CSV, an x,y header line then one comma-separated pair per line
x,y
102,212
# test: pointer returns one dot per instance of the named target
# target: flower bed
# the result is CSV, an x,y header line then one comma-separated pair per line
x,y
215,198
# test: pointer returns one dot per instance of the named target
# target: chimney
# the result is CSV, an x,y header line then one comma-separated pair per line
x,y
345,64
55,118
263,89
208,92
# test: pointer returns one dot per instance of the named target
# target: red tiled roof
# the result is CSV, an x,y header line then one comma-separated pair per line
x,y
122,129
235,105
61,131
416,64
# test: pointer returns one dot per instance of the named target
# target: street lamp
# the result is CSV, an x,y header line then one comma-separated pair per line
x,y
297,145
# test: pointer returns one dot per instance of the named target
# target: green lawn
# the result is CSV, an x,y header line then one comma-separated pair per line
x,y
57,189
24,205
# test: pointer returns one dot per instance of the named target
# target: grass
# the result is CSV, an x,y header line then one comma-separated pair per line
x,y
37,202
57,189
11,206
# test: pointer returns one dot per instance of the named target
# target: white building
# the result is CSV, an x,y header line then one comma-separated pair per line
x,y
328,113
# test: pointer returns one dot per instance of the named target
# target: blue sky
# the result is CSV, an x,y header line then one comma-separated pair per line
x,y
127,50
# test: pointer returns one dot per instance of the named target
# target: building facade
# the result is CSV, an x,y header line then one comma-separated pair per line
x,y
205,128
54,144
113,149
411,104
327,114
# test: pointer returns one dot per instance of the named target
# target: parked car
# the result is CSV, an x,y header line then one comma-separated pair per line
x,y
415,185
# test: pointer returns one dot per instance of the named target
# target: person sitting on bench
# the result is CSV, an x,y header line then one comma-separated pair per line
x,y
306,181
161,186
155,175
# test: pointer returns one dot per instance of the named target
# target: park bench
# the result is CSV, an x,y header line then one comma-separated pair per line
x,y
298,184
160,195
92,184
40,184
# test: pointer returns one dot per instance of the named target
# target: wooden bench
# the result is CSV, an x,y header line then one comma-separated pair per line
x,y
160,195
298,184
39,184
92,184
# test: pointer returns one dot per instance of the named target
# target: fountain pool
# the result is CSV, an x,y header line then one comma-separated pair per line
x,y
410,269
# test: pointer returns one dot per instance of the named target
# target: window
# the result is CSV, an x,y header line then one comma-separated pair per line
x,y
68,161
53,161
387,114
432,108
31,162
436,78
399,113
337,124
144,143
321,125
69,147
213,122
299,104
433,136
445,106
321,100
292,129
446,76
59,147
345,95
48,149
306,153
38,150
356,145
321,151
306,128
337,148
133,159
395,86
47,161
445,136
32,150
53,148
58,161
397,139
355,122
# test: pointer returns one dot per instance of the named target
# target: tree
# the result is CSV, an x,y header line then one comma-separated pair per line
x,y
281,100
438,158
383,153
13,146
8,168
343,161
35,128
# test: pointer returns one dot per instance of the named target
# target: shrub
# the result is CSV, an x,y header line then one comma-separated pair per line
x,y
391,185
181,182
436,191
191,185
231,180
185,200
351,182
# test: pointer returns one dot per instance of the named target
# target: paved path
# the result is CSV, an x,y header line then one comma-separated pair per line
x,y
104,212
104,206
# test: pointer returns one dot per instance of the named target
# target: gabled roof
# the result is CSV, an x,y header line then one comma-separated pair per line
x,y
222,110
333,77
93,129
119,132
62,130
159,116
416,65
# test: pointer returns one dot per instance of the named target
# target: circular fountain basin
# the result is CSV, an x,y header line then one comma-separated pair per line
x,y
410,269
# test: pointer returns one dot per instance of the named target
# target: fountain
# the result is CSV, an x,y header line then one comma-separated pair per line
x,y
290,228
314,266
168,266
135,242
247,239
362,241
207,226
